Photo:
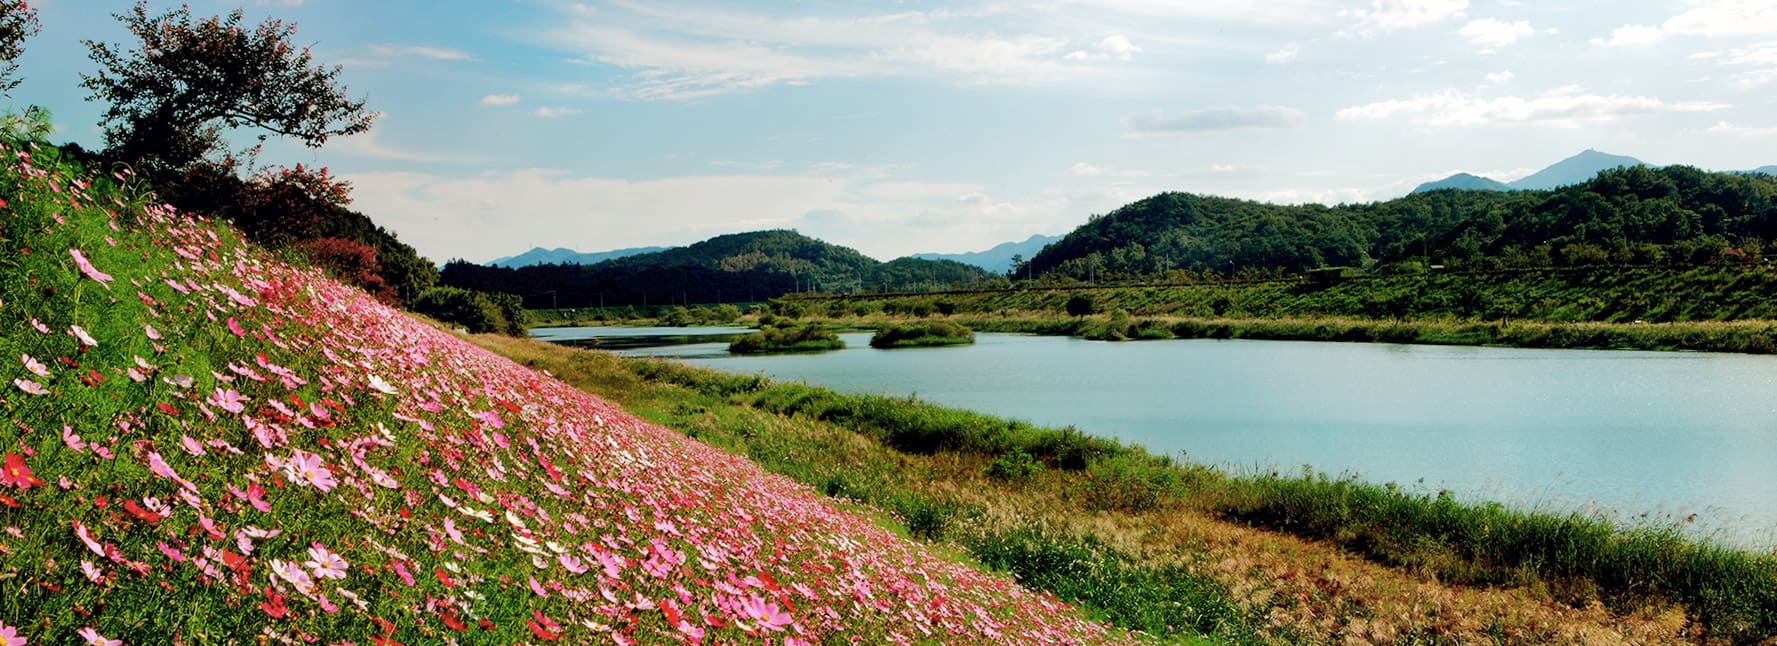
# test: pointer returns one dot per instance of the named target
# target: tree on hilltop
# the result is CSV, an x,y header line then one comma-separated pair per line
x,y
18,21
191,80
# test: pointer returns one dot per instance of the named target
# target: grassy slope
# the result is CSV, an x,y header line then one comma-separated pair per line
x,y
247,451
1530,578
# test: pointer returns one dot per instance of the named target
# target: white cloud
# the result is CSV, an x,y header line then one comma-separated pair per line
x,y
1493,34
499,99
1116,46
434,53
550,112
1564,107
1496,78
1762,56
1084,169
1386,16
1708,19
1161,124
1630,36
370,144
678,53
1725,128
1282,56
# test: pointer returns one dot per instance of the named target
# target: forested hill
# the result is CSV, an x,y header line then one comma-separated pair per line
x,y
730,268
1674,214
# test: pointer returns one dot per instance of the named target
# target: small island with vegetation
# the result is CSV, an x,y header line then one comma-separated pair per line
x,y
923,334
804,338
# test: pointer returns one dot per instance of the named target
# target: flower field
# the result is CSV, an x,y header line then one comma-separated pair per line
x,y
205,444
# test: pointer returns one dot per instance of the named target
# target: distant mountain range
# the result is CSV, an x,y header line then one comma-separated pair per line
x,y
541,256
1567,172
998,259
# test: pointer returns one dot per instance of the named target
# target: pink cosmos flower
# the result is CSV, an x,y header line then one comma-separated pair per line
x,y
30,387
80,333
572,563
153,334
87,269
9,636
308,468
765,613
159,467
73,441
229,400
36,367
295,575
324,563
93,638
235,327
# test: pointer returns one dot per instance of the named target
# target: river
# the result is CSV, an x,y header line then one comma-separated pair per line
x,y
1642,437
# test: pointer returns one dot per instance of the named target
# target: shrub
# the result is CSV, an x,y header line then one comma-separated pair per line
x,y
477,312
787,339
1080,305
1016,466
934,333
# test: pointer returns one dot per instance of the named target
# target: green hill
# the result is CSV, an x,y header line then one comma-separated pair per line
x,y
739,267
1670,215
207,445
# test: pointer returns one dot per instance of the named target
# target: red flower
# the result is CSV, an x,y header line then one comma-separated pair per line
x,y
544,628
451,620
443,578
168,409
17,474
274,605
141,514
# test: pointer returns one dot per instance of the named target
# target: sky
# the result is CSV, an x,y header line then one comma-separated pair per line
x,y
903,127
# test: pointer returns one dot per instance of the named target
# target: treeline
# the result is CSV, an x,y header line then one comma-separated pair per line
x,y
735,268
1603,294
1675,215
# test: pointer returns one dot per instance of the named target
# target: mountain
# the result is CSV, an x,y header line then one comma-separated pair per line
x,y
1567,172
1463,181
1635,214
1763,170
541,256
739,267
998,259
1573,170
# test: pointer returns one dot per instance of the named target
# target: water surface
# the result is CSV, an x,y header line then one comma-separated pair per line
x,y
1666,434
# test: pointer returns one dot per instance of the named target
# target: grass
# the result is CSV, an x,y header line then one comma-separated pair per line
x,y
1008,490
921,334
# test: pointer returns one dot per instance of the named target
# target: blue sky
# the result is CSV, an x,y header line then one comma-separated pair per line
x,y
901,127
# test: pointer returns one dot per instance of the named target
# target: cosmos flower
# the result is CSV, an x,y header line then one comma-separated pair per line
x,y
87,269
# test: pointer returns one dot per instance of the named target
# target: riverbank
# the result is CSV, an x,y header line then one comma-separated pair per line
x,y
1275,554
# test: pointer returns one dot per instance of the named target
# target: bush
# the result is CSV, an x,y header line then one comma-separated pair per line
x,y
477,312
1016,466
933,333
1080,305
787,339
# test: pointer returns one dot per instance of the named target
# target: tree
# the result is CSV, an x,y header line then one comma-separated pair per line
x,y
18,21
1080,305
172,100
